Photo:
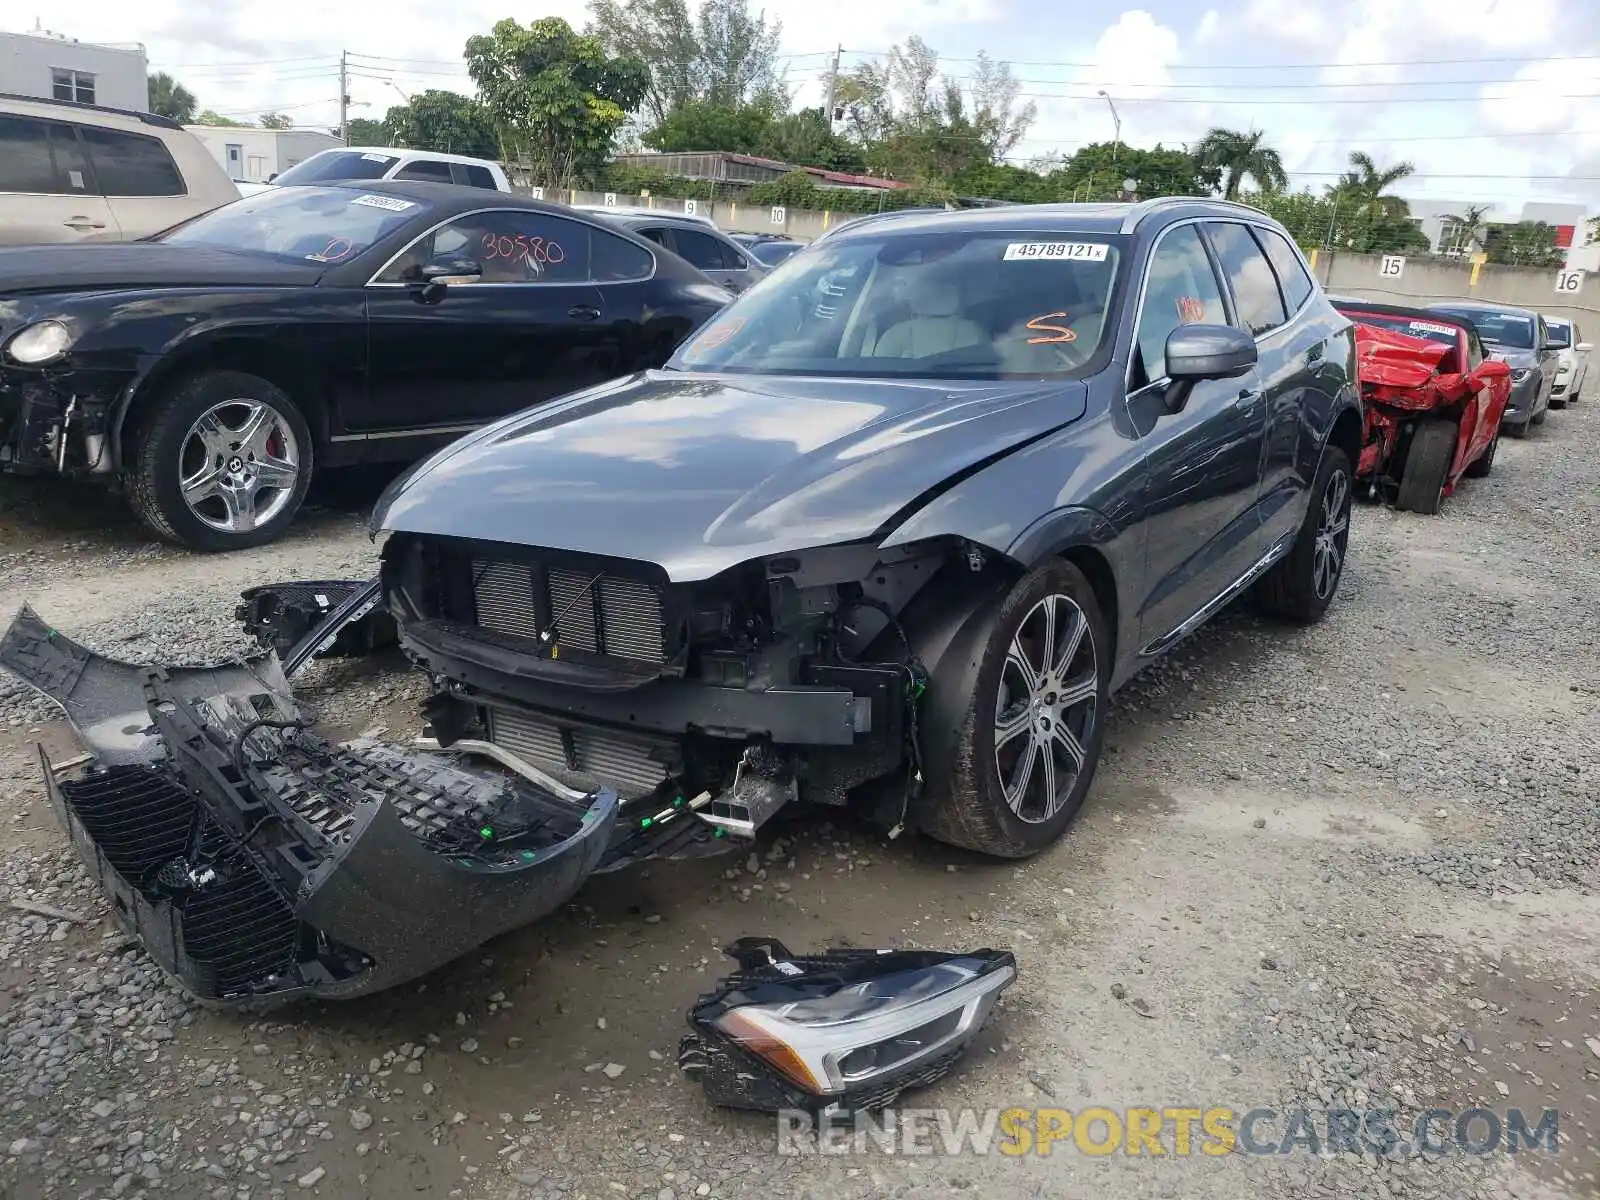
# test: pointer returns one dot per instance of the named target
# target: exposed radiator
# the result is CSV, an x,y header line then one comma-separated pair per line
x,y
602,758
616,616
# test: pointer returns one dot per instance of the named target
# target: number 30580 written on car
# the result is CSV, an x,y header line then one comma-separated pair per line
x,y
1082,251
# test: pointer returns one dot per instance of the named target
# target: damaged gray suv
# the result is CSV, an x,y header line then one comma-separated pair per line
x,y
907,511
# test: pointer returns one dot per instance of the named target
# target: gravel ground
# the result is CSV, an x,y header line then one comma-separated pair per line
x,y
1357,865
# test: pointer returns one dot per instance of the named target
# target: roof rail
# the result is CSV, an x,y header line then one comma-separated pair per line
x,y
149,118
1145,207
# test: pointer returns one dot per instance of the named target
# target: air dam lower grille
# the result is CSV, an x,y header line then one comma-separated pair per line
x,y
634,767
615,616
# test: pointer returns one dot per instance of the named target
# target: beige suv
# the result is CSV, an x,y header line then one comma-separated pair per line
x,y
78,172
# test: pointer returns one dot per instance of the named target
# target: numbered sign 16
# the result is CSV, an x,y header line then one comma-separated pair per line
x,y
1569,282
690,208
538,193
780,214
611,199
1392,266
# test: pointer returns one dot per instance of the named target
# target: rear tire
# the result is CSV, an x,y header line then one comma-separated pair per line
x,y
1303,584
1036,713
1480,467
221,462
1433,447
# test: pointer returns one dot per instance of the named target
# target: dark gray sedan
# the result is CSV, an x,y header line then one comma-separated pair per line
x,y
1520,338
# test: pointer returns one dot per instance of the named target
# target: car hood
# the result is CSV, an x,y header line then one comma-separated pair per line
x,y
100,265
698,473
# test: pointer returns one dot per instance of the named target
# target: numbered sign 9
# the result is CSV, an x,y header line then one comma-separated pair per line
x,y
690,208
611,199
1392,266
538,193
1569,282
779,214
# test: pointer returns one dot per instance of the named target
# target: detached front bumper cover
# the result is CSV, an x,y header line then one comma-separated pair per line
x,y
844,1031
258,862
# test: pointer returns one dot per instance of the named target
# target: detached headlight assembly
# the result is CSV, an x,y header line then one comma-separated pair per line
x,y
39,344
844,1031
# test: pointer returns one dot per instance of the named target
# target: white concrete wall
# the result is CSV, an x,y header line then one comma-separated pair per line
x,y
121,74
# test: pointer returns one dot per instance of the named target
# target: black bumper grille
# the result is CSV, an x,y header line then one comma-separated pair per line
x,y
594,613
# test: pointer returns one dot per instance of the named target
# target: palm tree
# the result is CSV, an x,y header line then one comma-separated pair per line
x,y
1464,229
169,98
1367,185
1237,155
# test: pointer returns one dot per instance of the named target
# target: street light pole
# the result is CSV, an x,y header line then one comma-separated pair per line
x,y
1116,123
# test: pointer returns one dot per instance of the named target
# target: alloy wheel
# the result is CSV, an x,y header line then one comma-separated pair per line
x,y
1333,535
1048,702
238,465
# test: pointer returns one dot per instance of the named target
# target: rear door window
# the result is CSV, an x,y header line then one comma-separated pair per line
x,y
25,162
131,164
1250,277
509,245
478,177
426,170
704,251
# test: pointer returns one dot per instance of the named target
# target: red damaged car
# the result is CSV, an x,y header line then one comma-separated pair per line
x,y
1433,402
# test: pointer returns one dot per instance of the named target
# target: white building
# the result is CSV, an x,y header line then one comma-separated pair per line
x,y
1440,222
51,65
256,155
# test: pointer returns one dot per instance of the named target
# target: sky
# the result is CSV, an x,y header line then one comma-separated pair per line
x,y
1492,100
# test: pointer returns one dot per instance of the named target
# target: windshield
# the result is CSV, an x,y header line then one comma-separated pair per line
x,y
310,224
956,305
1432,331
1503,329
329,166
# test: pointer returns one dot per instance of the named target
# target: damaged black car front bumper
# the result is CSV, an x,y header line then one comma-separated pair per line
x,y
259,862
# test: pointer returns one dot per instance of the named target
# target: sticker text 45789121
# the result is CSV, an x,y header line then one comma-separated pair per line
x,y
1066,251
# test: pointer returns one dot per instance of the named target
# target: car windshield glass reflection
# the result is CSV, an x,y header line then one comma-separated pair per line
x,y
927,305
1503,329
307,224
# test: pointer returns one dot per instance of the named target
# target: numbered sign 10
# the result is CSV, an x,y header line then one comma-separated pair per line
x,y
780,214
1393,266
690,208
611,199
1569,282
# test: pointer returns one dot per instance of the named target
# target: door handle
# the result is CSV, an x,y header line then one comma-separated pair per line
x,y
584,312
81,223
1247,398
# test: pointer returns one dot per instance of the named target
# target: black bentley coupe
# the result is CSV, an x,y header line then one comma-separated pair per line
x,y
209,369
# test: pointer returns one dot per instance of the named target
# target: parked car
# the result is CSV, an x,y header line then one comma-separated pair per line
x,y
1519,337
210,369
639,210
915,505
74,172
1433,402
341,164
1572,363
892,214
696,241
769,248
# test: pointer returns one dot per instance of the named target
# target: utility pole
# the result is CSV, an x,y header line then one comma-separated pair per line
x,y
344,96
833,86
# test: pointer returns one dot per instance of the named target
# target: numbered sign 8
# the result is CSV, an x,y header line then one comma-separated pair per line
x,y
1392,266
538,193
690,208
1569,282
779,214
611,199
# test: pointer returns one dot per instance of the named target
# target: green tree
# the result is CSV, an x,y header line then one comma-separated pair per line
x,y
807,137
1238,156
169,98
557,96
363,132
709,125
738,51
1365,185
1525,244
210,118
442,120
1469,221
1096,172
276,120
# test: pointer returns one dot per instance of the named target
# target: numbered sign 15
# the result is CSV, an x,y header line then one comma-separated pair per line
x,y
779,214
1569,282
1392,266
611,199
690,208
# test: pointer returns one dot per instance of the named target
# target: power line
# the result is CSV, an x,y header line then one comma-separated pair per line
x,y
1309,66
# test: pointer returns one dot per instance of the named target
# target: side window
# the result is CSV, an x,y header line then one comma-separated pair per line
x,y
702,250
25,164
131,164
1255,289
73,176
478,177
510,246
613,259
1296,284
425,170
1180,289
659,236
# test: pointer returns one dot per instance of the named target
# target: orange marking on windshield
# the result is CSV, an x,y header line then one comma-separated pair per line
x,y
1057,333
1190,310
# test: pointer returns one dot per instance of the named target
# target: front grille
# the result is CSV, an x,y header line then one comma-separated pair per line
x,y
604,614
583,756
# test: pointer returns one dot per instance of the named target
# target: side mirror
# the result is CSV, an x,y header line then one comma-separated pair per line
x,y
1200,352
1556,343
434,277
1493,368
1584,347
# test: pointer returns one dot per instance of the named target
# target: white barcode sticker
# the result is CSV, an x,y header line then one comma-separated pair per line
x,y
1430,327
1072,251
376,158
391,203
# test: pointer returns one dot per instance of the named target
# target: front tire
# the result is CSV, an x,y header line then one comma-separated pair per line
x,y
1025,752
1302,585
1480,467
222,462
1433,448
